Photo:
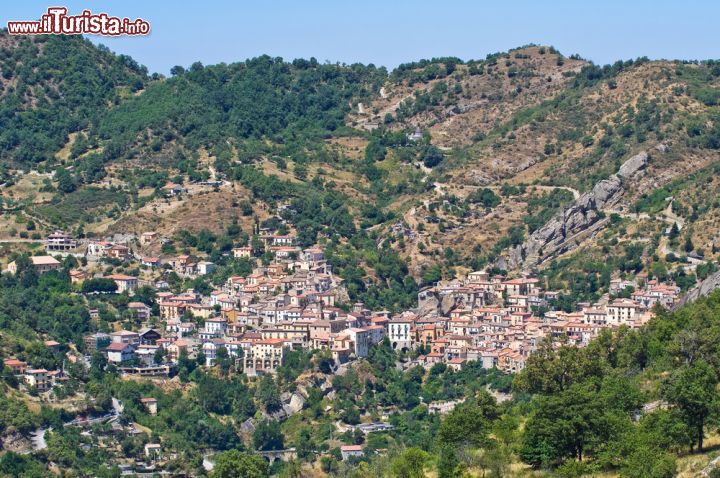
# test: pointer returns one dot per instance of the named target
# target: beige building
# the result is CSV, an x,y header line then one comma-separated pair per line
x,y
621,311
41,264
265,356
124,283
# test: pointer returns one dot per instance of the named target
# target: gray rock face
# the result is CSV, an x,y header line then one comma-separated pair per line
x,y
431,304
583,219
292,403
704,288
341,295
447,304
248,426
428,303
633,165
297,402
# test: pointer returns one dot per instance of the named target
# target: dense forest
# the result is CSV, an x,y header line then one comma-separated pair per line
x,y
53,86
66,85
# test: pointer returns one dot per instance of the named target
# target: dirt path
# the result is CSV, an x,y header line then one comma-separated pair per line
x,y
666,215
441,188
573,191
671,217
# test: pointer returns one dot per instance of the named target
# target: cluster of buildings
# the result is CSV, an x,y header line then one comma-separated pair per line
x,y
294,303
60,243
291,305
38,379
252,320
500,321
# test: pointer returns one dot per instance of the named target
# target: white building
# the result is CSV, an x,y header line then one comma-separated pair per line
x,y
205,267
216,326
58,241
621,311
362,340
399,333
118,352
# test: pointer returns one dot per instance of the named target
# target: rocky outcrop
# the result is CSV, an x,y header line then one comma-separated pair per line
x,y
295,405
428,303
248,426
575,224
706,287
713,465
633,165
431,303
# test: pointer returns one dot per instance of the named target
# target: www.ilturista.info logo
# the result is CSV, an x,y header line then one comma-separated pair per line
x,y
57,22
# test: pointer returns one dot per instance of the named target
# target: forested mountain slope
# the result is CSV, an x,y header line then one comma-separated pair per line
x,y
506,145
506,142
53,86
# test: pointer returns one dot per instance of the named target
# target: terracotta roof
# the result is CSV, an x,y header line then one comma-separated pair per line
x,y
351,448
120,277
116,347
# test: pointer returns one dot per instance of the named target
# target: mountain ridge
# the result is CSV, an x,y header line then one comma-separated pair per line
x,y
525,124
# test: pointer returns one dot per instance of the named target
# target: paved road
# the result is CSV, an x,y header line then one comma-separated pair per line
x,y
20,241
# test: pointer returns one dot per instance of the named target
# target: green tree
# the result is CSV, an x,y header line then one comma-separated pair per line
x,y
235,464
268,394
66,182
305,446
432,156
691,389
469,424
410,463
268,436
448,465
485,197
647,462
563,426
497,460
688,246
99,284
551,370
224,361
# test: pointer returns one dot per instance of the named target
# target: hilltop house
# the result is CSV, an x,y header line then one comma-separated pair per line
x,y
58,241
173,189
148,237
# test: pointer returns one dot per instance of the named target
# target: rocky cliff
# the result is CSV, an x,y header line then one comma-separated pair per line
x,y
431,303
706,287
583,219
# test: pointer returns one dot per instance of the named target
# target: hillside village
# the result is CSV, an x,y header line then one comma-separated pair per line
x,y
252,323
492,267
295,302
